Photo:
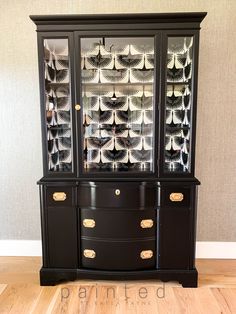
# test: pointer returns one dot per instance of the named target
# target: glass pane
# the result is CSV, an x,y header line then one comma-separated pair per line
x,y
57,101
117,101
178,104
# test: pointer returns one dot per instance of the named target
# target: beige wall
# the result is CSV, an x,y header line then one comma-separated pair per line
x,y
20,146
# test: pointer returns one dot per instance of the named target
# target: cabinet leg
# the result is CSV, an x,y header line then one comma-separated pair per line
x,y
51,277
190,280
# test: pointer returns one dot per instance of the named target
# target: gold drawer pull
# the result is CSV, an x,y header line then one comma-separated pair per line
x,y
176,197
146,254
89,253
89,223
146,223
59,196
77,107
117,192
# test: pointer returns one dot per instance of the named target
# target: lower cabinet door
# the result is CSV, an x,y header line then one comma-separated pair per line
x,y
175,244
118,255
62,237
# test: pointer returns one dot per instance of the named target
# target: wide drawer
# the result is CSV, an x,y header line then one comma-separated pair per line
x,y
118,223
122,255
117,195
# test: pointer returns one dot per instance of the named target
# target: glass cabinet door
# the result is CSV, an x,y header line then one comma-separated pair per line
x,y
117,82
178,105
57,104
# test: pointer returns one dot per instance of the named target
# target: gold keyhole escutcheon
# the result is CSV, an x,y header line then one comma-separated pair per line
x,y
117,192
77,107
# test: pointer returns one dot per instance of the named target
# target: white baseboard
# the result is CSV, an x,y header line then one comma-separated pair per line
x,y
216,250
20,248
33,248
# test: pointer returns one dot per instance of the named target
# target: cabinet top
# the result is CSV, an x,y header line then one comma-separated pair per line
x,y
138,18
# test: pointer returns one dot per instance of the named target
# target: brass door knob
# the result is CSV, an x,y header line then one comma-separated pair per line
x,y
77,107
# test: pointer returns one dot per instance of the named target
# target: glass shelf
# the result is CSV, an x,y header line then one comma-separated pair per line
x,y
118,84
179,83
57,83
59,127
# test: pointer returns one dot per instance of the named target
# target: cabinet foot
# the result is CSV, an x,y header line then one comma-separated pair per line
x,y
190,280
52,277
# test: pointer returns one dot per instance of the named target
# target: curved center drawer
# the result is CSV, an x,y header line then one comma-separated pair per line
x,y
136,195
109,255
104,223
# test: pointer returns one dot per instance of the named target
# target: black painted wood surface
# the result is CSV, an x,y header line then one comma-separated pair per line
x,y
117,237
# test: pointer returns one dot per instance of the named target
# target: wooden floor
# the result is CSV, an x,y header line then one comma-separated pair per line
x,y
20,292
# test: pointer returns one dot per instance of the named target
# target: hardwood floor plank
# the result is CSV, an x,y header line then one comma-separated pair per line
x,y
187,301
44,301
216,273
18,298
19,269
168,303
75,299
206,301
226,298
2,287
217,280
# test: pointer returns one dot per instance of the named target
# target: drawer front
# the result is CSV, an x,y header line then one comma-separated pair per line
x,y
175,196
60,196
126,255
118,223
117,195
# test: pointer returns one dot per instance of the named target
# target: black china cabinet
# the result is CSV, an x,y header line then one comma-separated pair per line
x,y
118,107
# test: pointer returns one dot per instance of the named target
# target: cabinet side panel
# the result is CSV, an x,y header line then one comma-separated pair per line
x,y
43,225
174,238
62,237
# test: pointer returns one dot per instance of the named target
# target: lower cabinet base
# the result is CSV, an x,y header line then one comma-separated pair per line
x,y
52,276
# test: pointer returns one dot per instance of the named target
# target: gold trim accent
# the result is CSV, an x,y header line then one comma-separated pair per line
x,y
77,107
176,197
117,192
89,223
59,196
146,223
89,253
146,254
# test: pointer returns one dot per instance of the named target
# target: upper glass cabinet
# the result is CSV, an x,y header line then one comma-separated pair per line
x,y
178,105
57,104
117,80
119,95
